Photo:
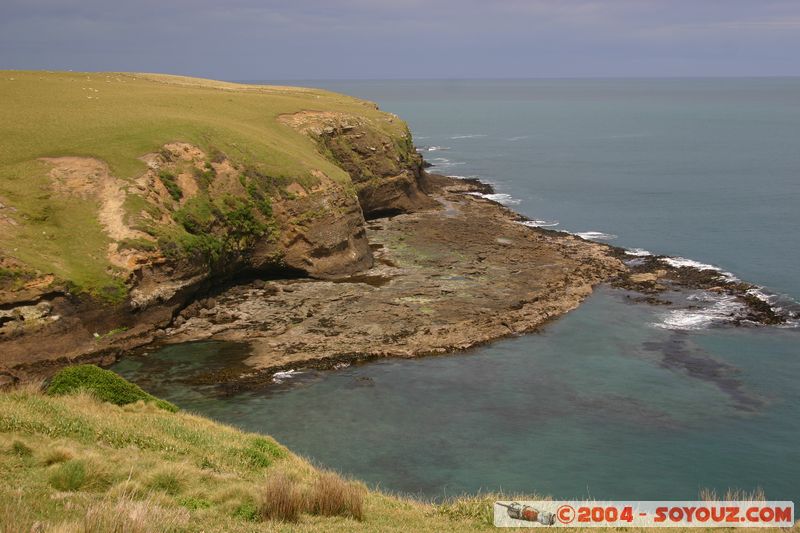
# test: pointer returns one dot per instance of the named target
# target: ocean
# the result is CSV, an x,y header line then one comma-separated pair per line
x,y
614,400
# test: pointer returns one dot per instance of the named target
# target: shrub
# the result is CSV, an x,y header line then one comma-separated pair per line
x,y
281,500
332,496
105,384
168,179
68,476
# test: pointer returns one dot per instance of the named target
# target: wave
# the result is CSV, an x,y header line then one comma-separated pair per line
x,y
443,162
595,236
469,136
499,197
539,223
712,310
432,148
518,138
638,252
679,262
722,310
280,377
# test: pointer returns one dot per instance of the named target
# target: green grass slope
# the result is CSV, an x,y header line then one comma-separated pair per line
x,y
70,462
74,463
117,118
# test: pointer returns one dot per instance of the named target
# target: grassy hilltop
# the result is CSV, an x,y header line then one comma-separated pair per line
x,y
117,119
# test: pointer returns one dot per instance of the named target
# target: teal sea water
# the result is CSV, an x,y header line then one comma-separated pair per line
x,y
615,400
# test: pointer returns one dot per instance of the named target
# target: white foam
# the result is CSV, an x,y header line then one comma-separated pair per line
x,y
722,309
638,252
595,236
781,304
539,223
436,148
469,136
679,262
499,197
443,162
518,138
280,377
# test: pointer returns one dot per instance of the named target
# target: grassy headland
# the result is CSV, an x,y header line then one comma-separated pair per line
x,y
116,119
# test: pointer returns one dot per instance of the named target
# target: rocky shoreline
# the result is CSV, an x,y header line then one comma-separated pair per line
x,y
446,279
460,271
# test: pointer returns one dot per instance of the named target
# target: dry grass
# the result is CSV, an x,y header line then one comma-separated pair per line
x,y
282,498
710,495
330,495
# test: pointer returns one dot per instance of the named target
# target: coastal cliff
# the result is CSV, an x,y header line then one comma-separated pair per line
x,y
139,209
165,187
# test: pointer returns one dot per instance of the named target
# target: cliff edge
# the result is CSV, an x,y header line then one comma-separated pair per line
x,y
123,196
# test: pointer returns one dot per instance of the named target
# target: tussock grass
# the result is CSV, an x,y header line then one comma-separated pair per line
x,y
330,495
281,499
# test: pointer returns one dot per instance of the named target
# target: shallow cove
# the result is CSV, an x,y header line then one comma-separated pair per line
x,y
647,413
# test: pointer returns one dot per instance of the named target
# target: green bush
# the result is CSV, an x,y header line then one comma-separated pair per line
x,y
169,181
105,384
69,476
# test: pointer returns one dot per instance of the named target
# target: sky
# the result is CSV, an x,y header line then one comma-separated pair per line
x,y
404,39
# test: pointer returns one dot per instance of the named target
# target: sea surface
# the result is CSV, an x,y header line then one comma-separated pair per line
x,y
616,399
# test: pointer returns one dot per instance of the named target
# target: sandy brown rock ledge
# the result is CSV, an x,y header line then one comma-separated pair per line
x,y
445,279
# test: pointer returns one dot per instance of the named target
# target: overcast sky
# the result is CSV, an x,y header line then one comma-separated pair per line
x,y
354,39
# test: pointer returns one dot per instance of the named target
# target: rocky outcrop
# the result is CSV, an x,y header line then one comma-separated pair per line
x,y
386,170
444,279
195,220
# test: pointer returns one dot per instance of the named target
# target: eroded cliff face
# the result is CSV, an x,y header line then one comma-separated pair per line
x,y
387,171
195,220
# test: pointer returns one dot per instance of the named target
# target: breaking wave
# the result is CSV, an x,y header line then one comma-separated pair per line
x,y
432,148
719,310
679,262
539,223
595,236
280,377
443,163
638,252
499,197
469,136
